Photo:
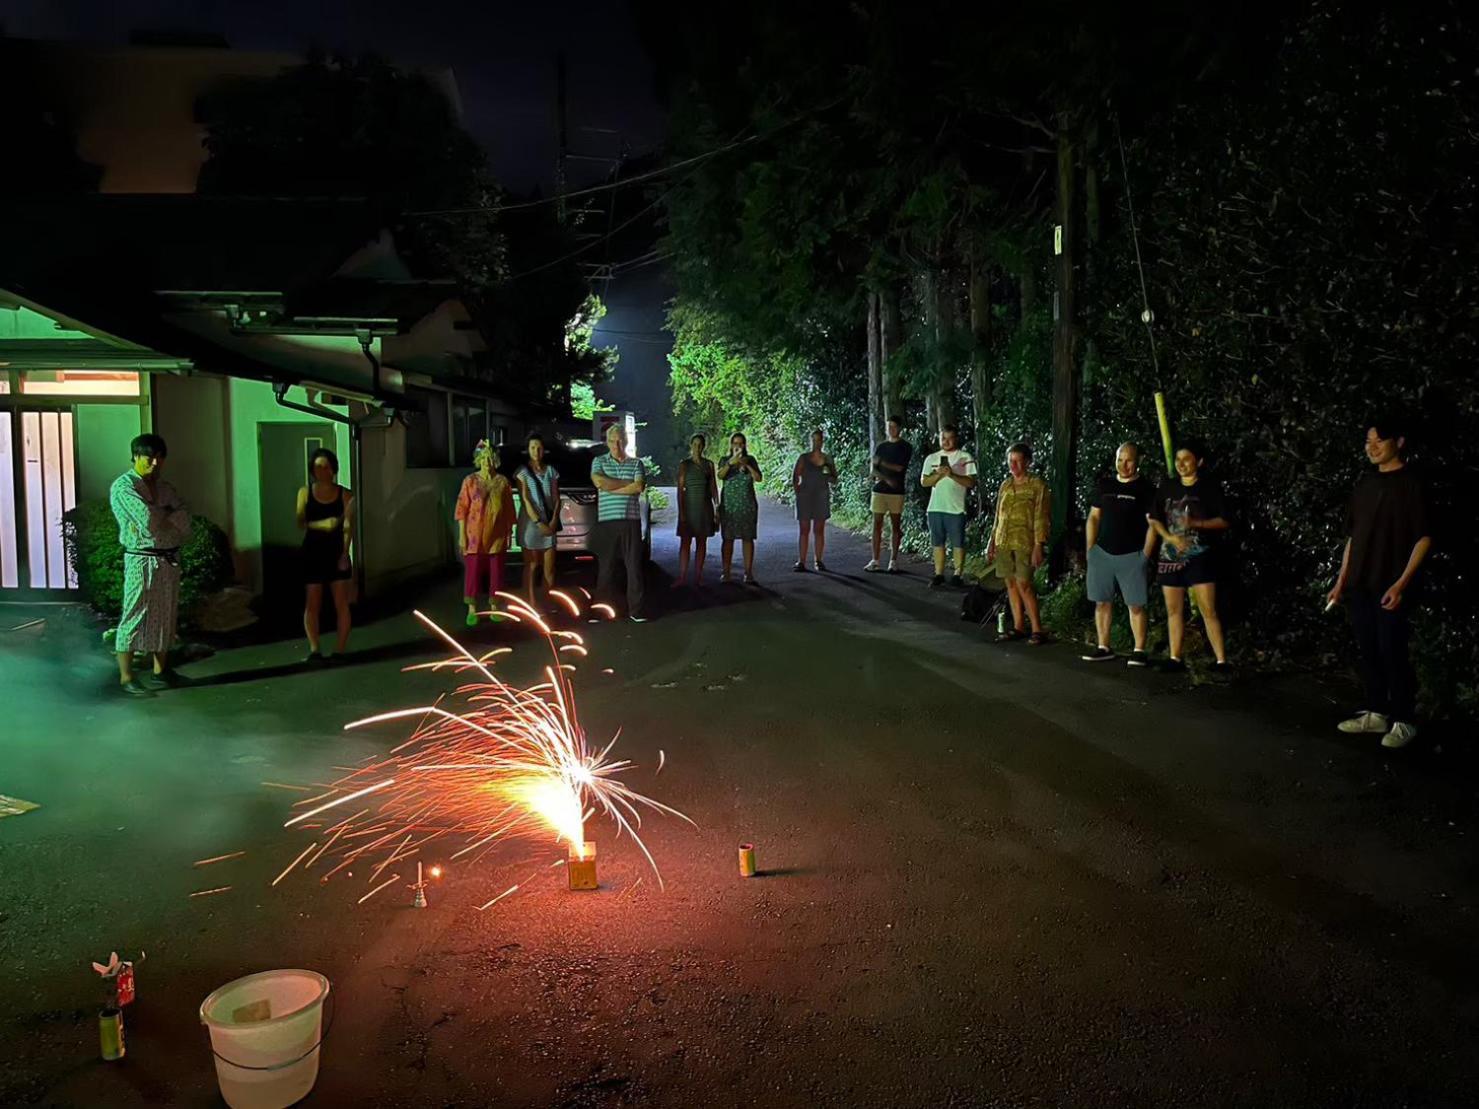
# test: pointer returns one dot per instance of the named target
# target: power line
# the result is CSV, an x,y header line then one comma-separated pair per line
x,y
658,172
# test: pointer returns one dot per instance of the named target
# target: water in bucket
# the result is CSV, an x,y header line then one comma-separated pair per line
x,y
266,1031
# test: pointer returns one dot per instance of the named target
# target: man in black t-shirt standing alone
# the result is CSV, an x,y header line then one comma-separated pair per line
x,y
1388,537
890,460
1119,548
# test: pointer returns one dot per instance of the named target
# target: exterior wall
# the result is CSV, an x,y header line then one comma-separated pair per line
x,y
406,513
102,434
190,412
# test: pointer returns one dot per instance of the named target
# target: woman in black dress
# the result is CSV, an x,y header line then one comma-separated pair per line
x,y
326,515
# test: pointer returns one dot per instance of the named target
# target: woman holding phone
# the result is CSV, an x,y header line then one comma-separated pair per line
x,y
739,509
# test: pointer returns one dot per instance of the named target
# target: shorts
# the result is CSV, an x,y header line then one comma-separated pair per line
x,y
947,529
1198,570
1014,563
1128,571
888,504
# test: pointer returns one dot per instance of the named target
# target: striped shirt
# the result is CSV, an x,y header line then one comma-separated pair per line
x,y
617,506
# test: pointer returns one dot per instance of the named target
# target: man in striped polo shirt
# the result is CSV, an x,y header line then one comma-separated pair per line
x,y
620,482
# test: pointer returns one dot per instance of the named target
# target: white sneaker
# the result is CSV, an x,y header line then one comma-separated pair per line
x,y
1400,735
1364,723
893,566
872,566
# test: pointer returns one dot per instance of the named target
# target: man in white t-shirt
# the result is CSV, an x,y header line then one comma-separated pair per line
x,y
947,474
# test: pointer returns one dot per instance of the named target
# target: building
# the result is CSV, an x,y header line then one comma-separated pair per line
x,y
247,332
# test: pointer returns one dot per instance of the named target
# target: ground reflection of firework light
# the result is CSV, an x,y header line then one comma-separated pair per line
x,y
488,762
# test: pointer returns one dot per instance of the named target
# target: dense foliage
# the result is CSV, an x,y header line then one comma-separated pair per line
x,y
91,535
1303,193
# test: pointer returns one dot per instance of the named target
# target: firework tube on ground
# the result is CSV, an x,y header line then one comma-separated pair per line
x,y
1165,422
110,1033
747,860
581,866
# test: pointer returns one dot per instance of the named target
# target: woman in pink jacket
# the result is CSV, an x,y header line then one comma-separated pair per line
x,y
485,523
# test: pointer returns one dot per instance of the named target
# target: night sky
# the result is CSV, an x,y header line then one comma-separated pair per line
x,y
503,55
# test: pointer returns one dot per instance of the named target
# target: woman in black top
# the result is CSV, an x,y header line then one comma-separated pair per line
x,y
326,515
1190,524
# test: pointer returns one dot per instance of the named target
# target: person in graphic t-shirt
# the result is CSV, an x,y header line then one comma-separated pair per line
x,y
948,473
1190,523
1388,538
1119,548
890,461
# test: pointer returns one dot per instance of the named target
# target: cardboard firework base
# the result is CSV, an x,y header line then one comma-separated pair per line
x,y
581,866
747,860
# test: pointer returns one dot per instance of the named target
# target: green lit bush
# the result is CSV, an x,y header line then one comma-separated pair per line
x,y
90,532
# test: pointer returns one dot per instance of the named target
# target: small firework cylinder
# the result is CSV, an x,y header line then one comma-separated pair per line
x,y
747,860
581,866
110,1033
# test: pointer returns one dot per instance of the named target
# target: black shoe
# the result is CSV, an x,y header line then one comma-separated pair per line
x,y
1222,670
957,581
1098,654
637,619
937,581
135,688
799,568
167,680
1138,658
313,658
1011,635
1173,666
821,567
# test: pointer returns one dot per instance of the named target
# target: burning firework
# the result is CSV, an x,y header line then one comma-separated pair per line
x,y
495,761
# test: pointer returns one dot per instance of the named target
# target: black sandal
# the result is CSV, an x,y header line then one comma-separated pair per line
x,y
1008,636
1036,639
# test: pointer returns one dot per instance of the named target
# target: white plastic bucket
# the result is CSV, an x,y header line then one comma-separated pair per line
x,y
266,1031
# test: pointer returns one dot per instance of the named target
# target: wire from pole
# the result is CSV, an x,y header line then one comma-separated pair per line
x,y
1147,317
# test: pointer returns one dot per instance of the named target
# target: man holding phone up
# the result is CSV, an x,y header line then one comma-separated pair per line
x,y
948,474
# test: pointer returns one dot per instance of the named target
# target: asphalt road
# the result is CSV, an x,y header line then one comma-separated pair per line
x,y
992,876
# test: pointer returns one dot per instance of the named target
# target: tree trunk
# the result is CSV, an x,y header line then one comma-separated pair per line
x,y
945,369
980,301
1065,333
875,376
888,341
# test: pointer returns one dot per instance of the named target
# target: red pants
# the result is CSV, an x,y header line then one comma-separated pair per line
x,y
479,571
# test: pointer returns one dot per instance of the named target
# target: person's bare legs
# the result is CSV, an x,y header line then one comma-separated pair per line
x,y
896,527
805,526
313,603
125,667
531,571
748,546
877,535
1175,619
342,618
161,661
1014,600
726,556
819,539
1139,625
939,556
1103,620
700,549
959,560
683,544
548,560
1206,596
1029,602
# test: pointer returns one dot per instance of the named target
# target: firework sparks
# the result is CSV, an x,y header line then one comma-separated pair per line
x,y
488,762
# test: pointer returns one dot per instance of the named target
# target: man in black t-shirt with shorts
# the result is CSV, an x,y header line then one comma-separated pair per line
x,y
1388,537
890,460
1119,548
